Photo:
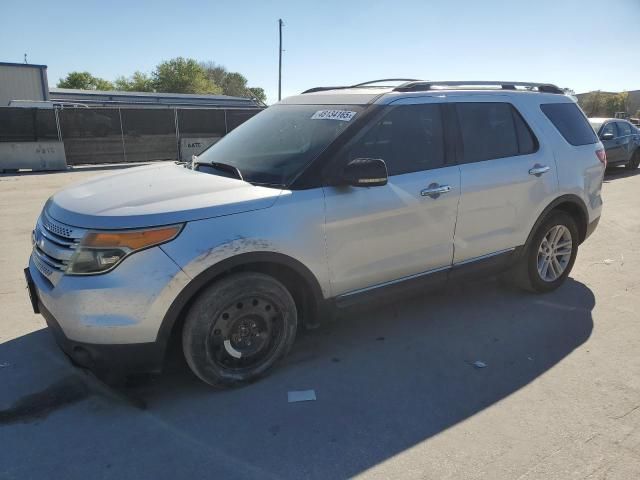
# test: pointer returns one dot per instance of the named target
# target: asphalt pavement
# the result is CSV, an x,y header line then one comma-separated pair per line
x,y
399,390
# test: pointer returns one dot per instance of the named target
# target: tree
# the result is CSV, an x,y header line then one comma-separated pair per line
x,y
183,75
138,82
214,72
615,102
623,102
604,104
259,94
178,75
232,83
592,103
84,81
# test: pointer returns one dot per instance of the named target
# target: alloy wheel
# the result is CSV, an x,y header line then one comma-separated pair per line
x,y
554,253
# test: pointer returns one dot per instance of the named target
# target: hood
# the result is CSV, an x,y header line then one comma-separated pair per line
x,y
155,195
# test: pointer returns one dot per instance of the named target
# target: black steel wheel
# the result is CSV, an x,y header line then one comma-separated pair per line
x,y
238,328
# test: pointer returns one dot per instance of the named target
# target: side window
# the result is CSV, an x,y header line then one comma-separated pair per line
x,y
570,122
527,142
610,128
624,128
409,138
489,131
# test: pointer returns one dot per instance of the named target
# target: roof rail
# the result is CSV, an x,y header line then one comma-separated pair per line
x,y
385,80
363,84
420,86
322,89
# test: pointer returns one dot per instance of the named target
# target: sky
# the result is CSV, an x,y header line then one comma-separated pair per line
x,y
580,44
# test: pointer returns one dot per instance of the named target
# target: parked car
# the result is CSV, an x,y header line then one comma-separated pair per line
x,y
322,200
621,140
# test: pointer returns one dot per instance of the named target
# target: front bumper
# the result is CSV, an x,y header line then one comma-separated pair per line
x,y
105,359
111,321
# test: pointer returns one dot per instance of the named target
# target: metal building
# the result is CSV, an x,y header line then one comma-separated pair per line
x,y
95,98
22,81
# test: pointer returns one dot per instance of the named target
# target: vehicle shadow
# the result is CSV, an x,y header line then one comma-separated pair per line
x,y
386,378
614,173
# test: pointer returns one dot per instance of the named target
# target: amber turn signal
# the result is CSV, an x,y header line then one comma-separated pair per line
x,y
134,240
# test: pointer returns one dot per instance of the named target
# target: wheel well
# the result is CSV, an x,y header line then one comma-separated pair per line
x,y
296,283
304,296
577,214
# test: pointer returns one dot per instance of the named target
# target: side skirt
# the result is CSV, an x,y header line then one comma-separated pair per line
x,y
431,280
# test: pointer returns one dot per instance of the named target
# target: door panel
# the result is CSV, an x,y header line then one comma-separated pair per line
x,y
498,200
612,147
500,197
379,234
625,141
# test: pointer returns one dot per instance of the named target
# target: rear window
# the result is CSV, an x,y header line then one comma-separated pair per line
x,y
570,122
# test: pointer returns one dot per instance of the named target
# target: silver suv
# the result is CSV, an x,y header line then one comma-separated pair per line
x,y
322,200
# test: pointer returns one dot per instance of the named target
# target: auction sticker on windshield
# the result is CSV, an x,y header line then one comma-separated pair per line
x,y
342,115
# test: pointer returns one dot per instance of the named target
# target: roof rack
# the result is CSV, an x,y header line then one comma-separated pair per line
x,y
384,80
363,84
420,86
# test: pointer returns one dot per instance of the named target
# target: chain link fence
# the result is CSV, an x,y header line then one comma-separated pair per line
x,y
116,135
27,125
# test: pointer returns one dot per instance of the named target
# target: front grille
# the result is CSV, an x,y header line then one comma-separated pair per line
x,y
41,266
55,228
53,245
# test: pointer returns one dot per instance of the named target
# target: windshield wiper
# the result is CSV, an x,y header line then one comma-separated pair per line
x,y
225,167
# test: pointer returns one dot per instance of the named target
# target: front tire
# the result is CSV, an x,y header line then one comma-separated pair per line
x,y
238,328
550,256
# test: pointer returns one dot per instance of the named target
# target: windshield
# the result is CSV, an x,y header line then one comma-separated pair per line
x,y
595,125
273,147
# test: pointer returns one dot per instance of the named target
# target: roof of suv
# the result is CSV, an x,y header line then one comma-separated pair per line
x,y
353,96
363,94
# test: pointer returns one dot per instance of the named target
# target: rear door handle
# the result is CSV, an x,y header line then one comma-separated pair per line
x,y
538,170
434,190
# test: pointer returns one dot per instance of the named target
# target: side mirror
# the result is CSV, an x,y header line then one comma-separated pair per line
x,y
607,136
365,172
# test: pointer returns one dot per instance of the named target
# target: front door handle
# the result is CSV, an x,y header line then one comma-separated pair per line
x,y
434,190
538,170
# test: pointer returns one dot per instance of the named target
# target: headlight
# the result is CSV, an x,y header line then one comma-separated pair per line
x,y
99,252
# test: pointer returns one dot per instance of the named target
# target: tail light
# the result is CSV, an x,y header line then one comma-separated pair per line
x,y
602,156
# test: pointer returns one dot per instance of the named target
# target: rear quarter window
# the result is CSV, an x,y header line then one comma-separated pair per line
x,y
570,122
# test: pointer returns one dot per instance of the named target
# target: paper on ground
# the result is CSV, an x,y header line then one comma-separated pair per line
x,y
301,396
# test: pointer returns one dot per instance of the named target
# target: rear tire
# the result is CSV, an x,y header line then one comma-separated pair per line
x,y
238,328
550,256
634,162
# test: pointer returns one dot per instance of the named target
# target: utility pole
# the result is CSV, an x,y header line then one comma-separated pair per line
x,y
280,24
